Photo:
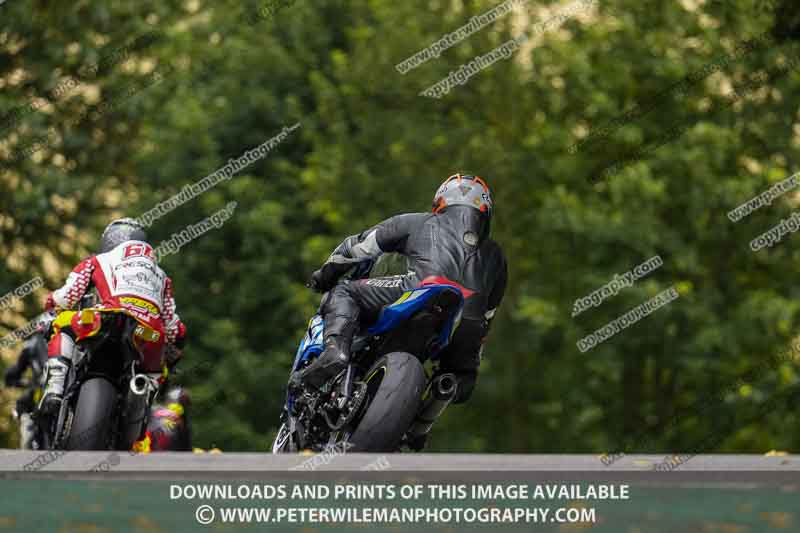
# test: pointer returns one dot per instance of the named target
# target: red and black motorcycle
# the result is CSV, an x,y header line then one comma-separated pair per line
x,y
117,375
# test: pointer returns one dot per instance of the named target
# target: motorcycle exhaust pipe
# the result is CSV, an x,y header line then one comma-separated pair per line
x,y
442,392
140,385
135,411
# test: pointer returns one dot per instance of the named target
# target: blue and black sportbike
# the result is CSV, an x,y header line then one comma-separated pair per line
x,y
384,399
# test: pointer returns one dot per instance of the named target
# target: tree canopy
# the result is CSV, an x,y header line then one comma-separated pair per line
x,y
109,109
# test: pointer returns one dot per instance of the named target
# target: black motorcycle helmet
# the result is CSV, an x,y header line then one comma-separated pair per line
x,y
119,231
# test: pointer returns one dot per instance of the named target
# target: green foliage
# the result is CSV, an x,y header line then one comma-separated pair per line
x,y
370,147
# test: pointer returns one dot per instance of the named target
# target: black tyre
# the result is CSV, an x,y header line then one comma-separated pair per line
x,y
394,384
91,425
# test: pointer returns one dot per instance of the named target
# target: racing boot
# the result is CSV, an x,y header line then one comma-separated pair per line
x,y
57,368
26,431
331,361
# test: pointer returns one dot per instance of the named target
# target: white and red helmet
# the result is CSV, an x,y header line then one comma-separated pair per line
x,y
464,189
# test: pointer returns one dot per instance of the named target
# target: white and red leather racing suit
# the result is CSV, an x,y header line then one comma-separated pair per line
x,y
126,277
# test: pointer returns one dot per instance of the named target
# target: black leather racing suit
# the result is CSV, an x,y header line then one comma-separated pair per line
x,y
454,244
33,356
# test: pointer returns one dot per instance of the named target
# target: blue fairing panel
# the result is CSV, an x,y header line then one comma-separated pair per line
x,y
311,345
391,317
408,304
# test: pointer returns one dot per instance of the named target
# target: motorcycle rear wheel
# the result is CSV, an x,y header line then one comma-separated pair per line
x,y
394,393
91,426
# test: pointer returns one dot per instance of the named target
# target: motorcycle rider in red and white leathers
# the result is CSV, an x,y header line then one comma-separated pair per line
x,y
125,275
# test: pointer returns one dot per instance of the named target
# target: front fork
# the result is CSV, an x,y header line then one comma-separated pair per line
x,y
54,427
295,429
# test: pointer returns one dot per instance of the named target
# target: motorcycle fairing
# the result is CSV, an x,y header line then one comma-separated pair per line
x,y
311,344
391,317
412,301
87,323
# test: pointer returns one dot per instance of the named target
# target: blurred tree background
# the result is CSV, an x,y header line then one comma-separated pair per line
x,y
81,145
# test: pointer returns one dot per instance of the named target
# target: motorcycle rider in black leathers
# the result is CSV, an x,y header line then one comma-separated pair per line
x,y
33,356
452,242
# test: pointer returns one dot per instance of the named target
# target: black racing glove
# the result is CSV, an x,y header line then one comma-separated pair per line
x,y
329,274
172,355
